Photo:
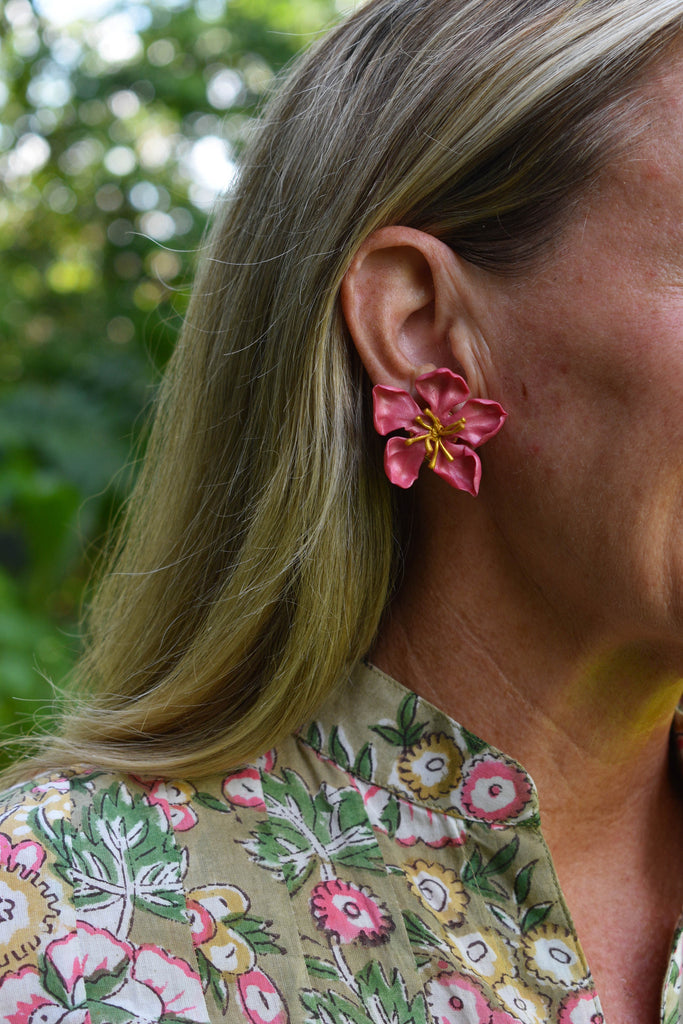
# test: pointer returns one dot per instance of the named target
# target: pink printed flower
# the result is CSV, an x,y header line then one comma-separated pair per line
x,y
415,824
202,925
244,789
27,855
259,999
444,432
454,999
86,954
495,790
350,913
24,1000
174,799
176,984
580,1008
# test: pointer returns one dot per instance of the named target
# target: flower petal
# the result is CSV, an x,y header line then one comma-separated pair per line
x,y
464,472
483,419
402,461
442,390
393,409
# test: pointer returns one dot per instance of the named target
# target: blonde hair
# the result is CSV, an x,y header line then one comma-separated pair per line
x,y
262,540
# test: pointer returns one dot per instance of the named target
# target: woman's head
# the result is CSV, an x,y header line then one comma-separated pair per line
x,y
263,539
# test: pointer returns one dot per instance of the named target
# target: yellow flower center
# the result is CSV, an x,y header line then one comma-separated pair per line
x,y
436,432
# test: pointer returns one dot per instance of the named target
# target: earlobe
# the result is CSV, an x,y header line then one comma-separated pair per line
x,y
398,301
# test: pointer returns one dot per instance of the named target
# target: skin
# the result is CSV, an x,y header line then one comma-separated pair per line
x,y
547,614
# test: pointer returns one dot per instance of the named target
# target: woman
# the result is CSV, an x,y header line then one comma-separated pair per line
x,y
464,212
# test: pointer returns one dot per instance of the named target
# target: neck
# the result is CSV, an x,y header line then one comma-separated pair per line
x,y
586,713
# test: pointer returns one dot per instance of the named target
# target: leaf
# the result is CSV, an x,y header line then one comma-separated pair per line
x,y
338,751
124,848
254,931
535,915
219,989
523,882
100,1012
321,969
414,734
368,857
374,987
364,763
391,816
503,917
473,743
475,862
503,858
418,933
212,802
485,887
292,793
314,737
406,712
474,876
326,1007
388,733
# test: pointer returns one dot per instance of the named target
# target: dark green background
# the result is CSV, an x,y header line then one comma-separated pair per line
x,y
100,219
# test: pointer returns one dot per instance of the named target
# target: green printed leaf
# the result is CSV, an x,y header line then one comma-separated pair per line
x,y
503,858
212,980
279,848
219,989
474,744
476,878
391,994
391,816
331,1008
338,751
291,792
535,915
406,712
212,802
254,931
503,917
331,827
388,733
414,734
123,849
321,969
475,863
203,966
364,763
419,934
314,737
523,882
484,886
105,1013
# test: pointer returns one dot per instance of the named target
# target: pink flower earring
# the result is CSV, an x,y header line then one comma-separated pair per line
x,y
444,433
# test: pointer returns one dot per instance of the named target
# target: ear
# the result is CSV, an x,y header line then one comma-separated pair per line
x,y
406,301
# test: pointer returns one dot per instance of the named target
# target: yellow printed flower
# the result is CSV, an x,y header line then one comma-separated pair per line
x,y
432,767
220,900
28,913
440,890
228,952
51,793
553,956
485,952
524,1005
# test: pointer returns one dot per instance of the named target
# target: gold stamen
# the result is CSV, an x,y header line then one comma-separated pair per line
x,y
433,439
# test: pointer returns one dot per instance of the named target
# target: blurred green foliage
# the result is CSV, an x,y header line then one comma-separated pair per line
x,y
115,136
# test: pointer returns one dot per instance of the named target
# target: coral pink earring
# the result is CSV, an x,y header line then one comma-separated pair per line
x,y
443,433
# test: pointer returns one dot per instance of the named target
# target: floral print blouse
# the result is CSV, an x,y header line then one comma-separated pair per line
x,y
382,866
